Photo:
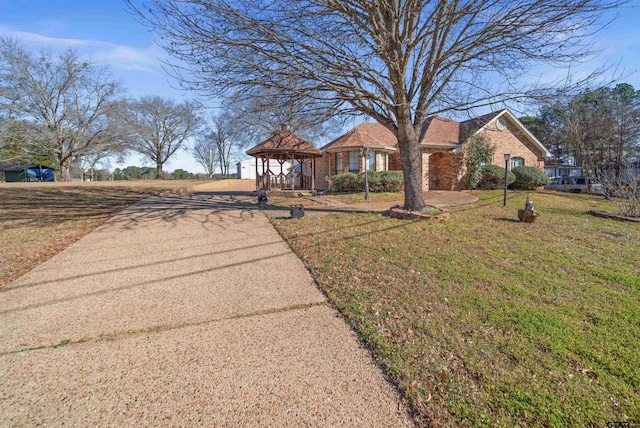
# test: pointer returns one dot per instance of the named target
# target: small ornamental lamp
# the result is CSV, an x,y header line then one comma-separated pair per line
x,y
365,152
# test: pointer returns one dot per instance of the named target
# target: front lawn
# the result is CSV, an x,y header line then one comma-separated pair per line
x,y
486,321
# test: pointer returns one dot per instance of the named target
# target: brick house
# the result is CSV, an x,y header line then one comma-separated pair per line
x,y
442,148
346,154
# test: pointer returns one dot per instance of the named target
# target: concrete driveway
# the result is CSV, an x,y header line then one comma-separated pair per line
x,y
183,310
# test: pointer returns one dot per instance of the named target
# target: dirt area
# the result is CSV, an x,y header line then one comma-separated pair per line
x,y
324,204
38,220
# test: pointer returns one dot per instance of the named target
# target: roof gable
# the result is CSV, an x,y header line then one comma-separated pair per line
x,y
364,135
440,131
470,127
478,124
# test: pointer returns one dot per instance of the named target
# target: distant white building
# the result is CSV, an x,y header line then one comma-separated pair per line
x,y
247,168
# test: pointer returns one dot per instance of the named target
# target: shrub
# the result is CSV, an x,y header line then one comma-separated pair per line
x,y
479,151
492,177
375,181
347,182
391,181
379,182
528,177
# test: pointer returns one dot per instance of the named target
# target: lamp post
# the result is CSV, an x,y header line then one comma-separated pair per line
x,y
507,156
365,153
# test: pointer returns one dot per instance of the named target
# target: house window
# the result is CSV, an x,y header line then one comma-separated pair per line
x,y
372,161
354,162
338,163
383,162
516,162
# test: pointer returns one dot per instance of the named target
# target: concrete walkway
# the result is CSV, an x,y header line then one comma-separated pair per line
x,y
184,310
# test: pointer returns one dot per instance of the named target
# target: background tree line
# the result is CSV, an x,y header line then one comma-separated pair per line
x,y
66,112
597,130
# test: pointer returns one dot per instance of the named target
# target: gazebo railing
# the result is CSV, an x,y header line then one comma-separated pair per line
x,y
280,181
305,182
270,181
263,182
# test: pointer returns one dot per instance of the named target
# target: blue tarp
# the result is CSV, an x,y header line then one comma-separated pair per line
x,y
29,173
44,174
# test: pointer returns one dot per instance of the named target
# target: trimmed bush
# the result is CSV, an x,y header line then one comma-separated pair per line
x,y
390,181
347,182
528,178
492,177
375,181
379,182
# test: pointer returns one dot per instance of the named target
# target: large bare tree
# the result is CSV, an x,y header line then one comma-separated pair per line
x,y
61,101
397,61
157,127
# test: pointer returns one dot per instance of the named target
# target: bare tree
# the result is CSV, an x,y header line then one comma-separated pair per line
x,y
622,187
397,61
157,127
598,129
62,101
92,161
224,133
21,142
205,152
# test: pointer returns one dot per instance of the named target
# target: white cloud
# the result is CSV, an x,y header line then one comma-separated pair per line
x,y
117,56
54,41
130,58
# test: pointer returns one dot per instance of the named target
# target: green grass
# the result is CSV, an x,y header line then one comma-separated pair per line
x,y
62,344
486,321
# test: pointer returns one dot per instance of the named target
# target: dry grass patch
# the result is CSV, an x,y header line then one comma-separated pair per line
x,y
486,321
358,198
38,220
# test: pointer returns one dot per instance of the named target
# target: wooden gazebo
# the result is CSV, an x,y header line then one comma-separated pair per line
x,y
282,147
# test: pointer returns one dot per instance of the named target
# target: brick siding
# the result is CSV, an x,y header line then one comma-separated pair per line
x,y
513,142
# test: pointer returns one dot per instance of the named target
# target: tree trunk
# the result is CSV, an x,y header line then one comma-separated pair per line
x,y
158,170
65,171
411,166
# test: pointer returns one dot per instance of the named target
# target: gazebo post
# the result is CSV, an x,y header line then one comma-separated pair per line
x,y
293,174
265,182
257,175
281,176
268,173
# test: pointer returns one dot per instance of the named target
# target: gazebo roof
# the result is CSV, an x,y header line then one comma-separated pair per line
x,y
284,145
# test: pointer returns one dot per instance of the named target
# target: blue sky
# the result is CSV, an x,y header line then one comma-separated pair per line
x,y
103,30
